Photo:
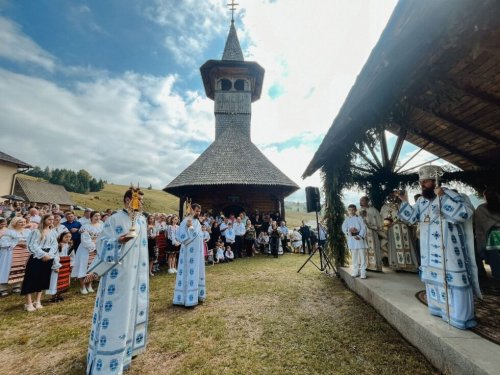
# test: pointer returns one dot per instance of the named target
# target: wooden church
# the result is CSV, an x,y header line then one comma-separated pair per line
x,y
232,175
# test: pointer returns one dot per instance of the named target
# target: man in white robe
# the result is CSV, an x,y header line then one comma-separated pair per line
x,y
190,281
453,222
119,322
354,229
374,224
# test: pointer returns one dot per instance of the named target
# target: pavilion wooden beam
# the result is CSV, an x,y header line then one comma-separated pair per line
x,y
449,119
362,169
361,153
478,93
457,88
397,148
383,148
471,158
413,156
375,157
421,164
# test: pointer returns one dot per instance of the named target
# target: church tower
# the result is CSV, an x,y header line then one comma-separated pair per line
x,y
232,174
233,84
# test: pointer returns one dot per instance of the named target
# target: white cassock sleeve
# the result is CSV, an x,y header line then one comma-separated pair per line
x,y
109,251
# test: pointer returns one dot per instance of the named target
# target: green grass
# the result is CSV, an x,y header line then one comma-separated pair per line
x,y
112,197
261,317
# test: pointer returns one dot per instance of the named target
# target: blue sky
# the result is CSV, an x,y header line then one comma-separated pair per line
x,y
114,86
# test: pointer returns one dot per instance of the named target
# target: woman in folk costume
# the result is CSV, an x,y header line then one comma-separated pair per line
x,y
447,249
14,238
89,234
151,242
58,227
120,318
354,229
42,244
174,244
189,286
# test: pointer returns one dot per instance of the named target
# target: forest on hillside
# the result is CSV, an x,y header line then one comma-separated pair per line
x,y
77,182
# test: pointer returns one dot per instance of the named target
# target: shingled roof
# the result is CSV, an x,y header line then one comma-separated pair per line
x,y
232,159
42,192
232,49
12,160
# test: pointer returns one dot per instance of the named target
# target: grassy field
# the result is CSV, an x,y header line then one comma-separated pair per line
x,y
261,317
157,201
111,197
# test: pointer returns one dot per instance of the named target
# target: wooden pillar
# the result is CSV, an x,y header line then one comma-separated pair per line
x,y
282,202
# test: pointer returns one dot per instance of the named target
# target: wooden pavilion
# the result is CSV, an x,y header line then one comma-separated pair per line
x,y
433,79
232,175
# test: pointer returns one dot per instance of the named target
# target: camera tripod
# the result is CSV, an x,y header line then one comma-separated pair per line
x,y
325,263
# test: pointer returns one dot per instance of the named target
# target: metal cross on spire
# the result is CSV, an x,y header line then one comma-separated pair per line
x,y
232,7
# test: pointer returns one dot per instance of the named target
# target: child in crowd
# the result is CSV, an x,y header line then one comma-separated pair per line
x,y
210,256
263,241
229,255
63,245
230,235
219,253
354,229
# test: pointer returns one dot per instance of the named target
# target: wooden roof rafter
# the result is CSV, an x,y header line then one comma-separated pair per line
x,y
459,124
446,146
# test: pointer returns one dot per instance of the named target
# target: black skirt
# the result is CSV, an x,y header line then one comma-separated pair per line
x,y
37,275
151,248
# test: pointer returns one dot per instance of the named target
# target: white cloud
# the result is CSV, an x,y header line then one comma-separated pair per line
x,y
190,26
113,127
314,50
17,47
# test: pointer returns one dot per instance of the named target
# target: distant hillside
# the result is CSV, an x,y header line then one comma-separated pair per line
x,y
295,206
111,197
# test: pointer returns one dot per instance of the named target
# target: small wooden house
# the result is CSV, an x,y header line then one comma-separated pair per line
x,y
41,192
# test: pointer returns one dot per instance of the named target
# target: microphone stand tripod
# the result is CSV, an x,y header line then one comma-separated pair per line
x,y
325,263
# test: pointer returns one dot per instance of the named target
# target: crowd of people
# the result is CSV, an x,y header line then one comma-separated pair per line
x,y
48,236
226,237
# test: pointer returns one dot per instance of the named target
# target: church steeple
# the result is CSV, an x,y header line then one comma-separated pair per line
x,y
233,84
232,50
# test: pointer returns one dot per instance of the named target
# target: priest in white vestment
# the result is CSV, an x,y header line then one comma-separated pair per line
x,y
120,318
452,226
189,286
